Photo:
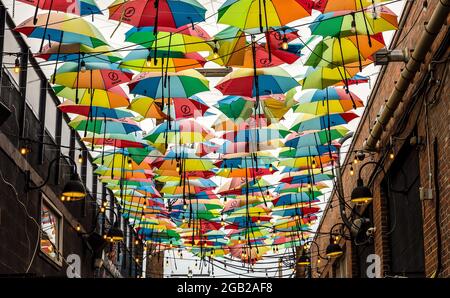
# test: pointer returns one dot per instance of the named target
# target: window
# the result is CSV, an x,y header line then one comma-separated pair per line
x,y
51,231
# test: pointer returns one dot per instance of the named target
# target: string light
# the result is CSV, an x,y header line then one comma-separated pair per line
x,y
353,26
148,62
83,66
391,155
285,44
130,162
17,65
352,172
425,6
215,50
78,228
24,150
80,158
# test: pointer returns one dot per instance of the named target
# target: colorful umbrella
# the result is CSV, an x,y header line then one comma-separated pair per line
x,y
86,110
78,7
325,107
186,39
249,14
112,98
93,76
73,52
323,77
348,23
182,84
354,5
167,13
271,81
317,138
140,59
62,28
100,126
322,122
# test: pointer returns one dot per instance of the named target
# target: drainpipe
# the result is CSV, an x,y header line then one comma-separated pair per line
x,y
422,47
339,185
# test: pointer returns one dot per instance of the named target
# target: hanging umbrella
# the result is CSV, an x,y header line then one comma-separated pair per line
x,y
112,98
249,14
115,140
337,51
184,108
310,162
297,198
62,28
185,131
72,52
354,5
147,108
330,93
167,13
292,210
140,59
78,7
348,23
182,84
100,126
233,50
306,177
271,81
69,106
319,108
318,150
323,77
94,76
186,39
317,138
323,122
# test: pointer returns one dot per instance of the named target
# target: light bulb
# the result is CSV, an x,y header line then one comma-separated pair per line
x,y
285,44
78,228
314,164
148,61
83,66
215,53
391,155
352,172
270,168
130,163
353,28
80,158
24,150
17,65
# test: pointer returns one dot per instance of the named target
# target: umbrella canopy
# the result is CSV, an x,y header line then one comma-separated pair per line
x,y
317,138
186,39
353,5
347,23
140,59
78,7
325,107
271,81
100,126
95,76
322,122
86,110
182,84
337,51
72,52
168,13
147,108
249,14
323,77
115,140
62,28
113,98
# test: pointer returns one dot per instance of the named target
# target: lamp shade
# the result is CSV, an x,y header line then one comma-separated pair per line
x,y
114,234
334,250
74,190
361,193
304,260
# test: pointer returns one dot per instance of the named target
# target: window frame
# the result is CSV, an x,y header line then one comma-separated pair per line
x,y
45,201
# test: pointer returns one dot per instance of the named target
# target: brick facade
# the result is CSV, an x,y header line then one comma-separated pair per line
x,y
437,95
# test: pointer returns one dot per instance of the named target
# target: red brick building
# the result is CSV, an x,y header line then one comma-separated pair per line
x,y
411,229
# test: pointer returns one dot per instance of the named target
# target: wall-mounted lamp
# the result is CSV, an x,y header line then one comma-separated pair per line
x,y
361,194
73,190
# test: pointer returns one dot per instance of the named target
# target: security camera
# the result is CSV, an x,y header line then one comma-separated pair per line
x,y
371,231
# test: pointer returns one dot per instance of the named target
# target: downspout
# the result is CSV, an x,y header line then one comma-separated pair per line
x,y
423,45
339,185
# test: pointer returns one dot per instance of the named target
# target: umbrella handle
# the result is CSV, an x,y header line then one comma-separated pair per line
x,y
35,12
46,26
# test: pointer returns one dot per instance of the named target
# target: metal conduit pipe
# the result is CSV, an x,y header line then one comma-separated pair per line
x,y
423,45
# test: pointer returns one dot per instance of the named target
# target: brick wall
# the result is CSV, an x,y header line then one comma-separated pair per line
x,y
438,116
